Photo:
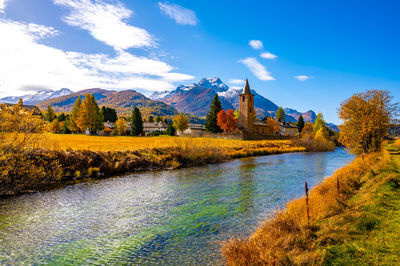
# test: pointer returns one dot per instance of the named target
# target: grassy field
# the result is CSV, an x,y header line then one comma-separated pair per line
x,y
354,220
127,143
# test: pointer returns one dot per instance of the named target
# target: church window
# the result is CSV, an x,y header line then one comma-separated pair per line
x,y
243,98
250,109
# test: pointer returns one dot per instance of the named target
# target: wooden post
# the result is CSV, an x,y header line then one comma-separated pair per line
x,y
308,209
338,186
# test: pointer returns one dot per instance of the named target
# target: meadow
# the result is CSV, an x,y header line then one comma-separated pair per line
x,y
128,143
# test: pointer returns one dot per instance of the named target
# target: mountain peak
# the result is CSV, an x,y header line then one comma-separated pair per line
x,y
213,83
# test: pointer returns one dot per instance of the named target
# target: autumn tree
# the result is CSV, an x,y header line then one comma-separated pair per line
x,y
19,128
366,119
121,126
226,120
180,123
50,115
211,118
136,122
280,114
273,125
300,123
236,114
308,131
73,126
89,116
319,123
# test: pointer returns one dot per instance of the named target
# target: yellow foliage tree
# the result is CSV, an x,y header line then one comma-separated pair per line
x,y
20,128
121,126
366,119
89,116
180,123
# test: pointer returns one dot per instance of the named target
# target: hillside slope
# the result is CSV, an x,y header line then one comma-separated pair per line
x,y
122,101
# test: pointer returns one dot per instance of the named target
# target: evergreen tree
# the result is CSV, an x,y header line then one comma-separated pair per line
x,y
73,126
319,123
109,114
136,122
170,130
280,114
61,117
50,114
211,118
150,119
300,123
90,116
166,121
158,119
67,122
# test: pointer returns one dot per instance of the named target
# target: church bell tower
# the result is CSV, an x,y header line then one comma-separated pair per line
x,y
246,109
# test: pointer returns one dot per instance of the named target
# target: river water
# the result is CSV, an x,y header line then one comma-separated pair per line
x,y
166,217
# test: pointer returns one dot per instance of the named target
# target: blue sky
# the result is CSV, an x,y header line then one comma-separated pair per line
x,y
299,54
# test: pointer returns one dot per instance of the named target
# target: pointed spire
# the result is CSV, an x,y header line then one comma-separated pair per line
x,y
246,89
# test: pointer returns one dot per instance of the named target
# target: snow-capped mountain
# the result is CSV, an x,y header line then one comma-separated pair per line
x,y
42,95
196,98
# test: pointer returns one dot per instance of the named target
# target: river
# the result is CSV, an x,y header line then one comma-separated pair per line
x,y
166,217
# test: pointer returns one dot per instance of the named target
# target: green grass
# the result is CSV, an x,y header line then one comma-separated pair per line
x,y
368,233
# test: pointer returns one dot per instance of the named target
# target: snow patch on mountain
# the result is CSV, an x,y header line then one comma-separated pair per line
x,y
39,96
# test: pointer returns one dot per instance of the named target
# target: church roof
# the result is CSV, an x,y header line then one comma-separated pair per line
x,y
246,89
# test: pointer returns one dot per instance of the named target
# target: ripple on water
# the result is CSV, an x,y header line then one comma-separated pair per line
x,y
166,217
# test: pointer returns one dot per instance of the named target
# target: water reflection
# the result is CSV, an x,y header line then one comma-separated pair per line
x,y
166,217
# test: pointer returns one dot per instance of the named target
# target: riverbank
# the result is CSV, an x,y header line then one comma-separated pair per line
x,y
63,162
354,220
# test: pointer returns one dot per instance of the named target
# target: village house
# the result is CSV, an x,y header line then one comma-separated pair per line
x,y
149,127
194,130
288,129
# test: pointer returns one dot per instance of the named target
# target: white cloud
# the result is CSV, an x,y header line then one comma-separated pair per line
x,y
257,69
106,22
268,55
303,78
26,65
178,13
256,44
236,81
3,4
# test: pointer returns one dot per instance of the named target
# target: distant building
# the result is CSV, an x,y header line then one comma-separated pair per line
x,y
288,129
149,127
194,130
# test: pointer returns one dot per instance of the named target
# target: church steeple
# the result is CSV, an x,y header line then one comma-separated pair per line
x,y
246,88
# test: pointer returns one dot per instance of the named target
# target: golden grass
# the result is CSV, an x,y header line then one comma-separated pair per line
x,y
127,143
286,239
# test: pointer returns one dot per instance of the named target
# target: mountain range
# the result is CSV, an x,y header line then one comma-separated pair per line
x,y
39,96
122,101
194,99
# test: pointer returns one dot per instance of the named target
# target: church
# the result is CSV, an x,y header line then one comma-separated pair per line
x,y
249,124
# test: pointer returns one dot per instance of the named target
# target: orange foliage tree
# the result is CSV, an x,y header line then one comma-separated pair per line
x,y
273,125
367,117
226,120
